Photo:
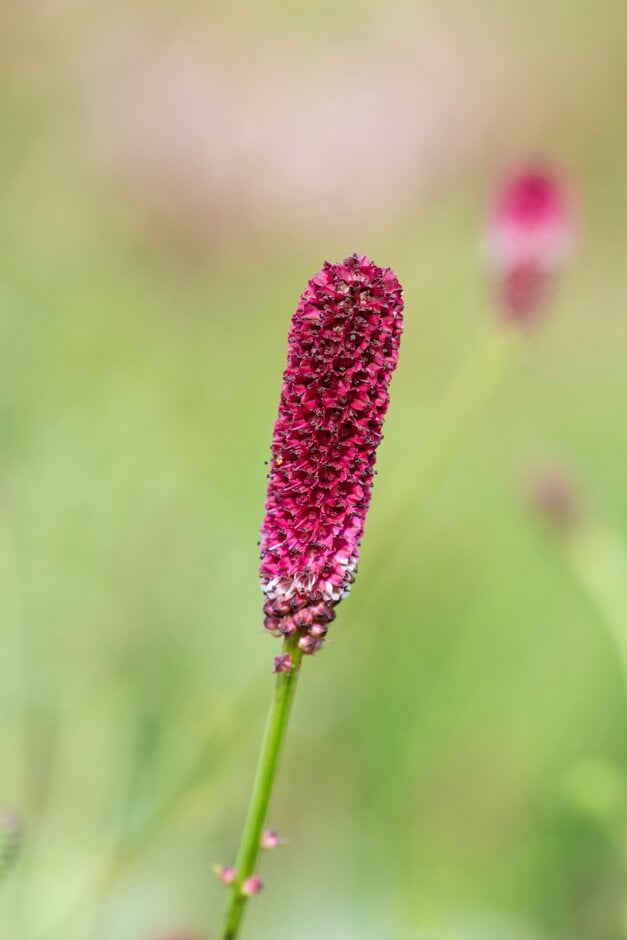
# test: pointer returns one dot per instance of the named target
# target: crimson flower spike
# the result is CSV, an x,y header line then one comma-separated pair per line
x,y
529,236
342,350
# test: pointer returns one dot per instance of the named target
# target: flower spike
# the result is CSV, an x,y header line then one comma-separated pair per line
x,y
342,350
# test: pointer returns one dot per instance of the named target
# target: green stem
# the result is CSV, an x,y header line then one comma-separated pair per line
x,y
271,747
598,558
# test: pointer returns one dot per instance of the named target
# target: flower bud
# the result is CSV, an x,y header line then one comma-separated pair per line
x,y
252,886
287,626
269,840
302,618
318,630
283,663
225,874
529,236
323,613
309,644
271,624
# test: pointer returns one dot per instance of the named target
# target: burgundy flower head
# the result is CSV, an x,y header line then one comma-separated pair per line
x,y
529,237
342,350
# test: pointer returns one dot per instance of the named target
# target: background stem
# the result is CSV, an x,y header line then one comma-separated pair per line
x,y
433,452
271,747
598,558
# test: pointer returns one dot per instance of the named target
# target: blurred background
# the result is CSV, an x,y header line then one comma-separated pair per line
x,y
171,174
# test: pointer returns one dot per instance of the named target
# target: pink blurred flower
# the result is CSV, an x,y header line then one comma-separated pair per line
x,y
529,237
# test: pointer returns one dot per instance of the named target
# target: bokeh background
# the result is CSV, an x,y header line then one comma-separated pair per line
x,y
170,175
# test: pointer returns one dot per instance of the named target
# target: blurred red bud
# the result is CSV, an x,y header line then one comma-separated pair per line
x,y
552,495
252,885
225,874
529,237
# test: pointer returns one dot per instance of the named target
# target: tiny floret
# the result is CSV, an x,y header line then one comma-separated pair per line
x,y
225,874
342,350
318,630
309,644
529,237
252,886
269,840
283,663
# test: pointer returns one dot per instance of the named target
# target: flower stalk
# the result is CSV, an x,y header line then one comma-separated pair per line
x,y
342,350
274,737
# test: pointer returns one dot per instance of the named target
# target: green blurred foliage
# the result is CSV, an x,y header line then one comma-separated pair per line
x,y
456,766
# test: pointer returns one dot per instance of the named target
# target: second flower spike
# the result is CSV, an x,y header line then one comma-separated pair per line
x,y
529,236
